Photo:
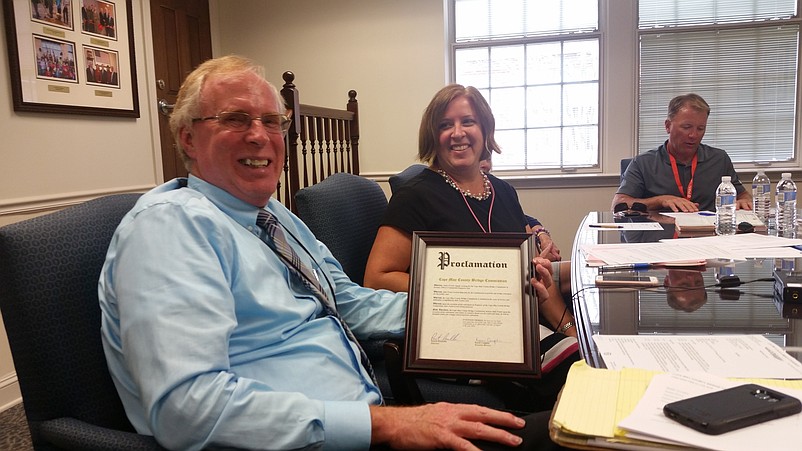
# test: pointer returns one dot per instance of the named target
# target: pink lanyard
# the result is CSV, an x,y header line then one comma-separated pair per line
x,y
489,213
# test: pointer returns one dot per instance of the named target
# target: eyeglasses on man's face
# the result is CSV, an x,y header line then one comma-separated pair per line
x,y
239,122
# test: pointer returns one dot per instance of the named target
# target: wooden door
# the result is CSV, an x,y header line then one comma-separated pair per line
x,y
181,40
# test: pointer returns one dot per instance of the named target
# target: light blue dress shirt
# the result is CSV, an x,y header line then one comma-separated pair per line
x,y
210,340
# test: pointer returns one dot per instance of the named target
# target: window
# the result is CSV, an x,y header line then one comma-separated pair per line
x,y
740,55
537,64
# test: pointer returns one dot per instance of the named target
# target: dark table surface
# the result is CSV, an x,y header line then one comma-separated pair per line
x,y
688,301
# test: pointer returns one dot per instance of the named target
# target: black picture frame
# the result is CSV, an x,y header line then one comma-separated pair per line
x,y
478,293
48,52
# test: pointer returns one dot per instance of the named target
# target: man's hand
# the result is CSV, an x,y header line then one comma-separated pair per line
x,y
676,203
441,426
743,204
542,279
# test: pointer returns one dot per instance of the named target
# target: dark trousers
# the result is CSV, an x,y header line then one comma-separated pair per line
x,y
535,435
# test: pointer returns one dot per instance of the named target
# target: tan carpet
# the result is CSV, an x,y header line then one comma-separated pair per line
x,y
14,434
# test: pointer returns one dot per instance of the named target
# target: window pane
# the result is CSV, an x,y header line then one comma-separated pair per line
x,y
544,63
548,17
503,19
506,18
507,66
581,104
544,147
512,146
581,60
580,145
471,19
544,106
509,107
473,67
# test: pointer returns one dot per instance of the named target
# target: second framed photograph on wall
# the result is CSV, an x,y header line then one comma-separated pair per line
x,y
72,56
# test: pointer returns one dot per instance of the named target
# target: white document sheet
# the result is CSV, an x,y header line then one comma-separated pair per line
x,y
746,356
625,253
733,247
708,218
648,420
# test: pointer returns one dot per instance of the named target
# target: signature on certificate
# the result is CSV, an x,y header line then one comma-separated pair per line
x,y
444,337
485,341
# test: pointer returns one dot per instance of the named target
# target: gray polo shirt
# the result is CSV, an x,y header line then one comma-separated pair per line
x,y
650,174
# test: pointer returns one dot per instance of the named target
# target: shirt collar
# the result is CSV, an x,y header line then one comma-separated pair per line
x,y
239,210
701,153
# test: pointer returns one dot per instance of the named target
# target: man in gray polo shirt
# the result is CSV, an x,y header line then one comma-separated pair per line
x,y
682,174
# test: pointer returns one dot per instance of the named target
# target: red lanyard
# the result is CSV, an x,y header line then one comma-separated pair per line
x,y
676,175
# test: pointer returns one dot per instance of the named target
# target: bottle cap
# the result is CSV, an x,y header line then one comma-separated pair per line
x,y
726,178
786,175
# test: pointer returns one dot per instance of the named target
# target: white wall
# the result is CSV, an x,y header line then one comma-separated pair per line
x,y
391,52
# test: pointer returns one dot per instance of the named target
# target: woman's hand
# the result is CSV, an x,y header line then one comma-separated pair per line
x,y
548,249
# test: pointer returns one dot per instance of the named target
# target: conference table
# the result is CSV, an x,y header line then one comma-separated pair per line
x,y
687,300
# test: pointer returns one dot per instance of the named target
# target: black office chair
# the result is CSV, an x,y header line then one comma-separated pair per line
x,y
624,165
398,180
344,212
49,269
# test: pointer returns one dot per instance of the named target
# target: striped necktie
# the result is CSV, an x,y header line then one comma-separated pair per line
x,y
274,237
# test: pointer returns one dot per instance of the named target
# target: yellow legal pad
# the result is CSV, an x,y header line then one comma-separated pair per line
x,y
594,401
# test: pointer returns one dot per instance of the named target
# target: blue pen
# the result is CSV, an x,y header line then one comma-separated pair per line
x,y
706,213
629,267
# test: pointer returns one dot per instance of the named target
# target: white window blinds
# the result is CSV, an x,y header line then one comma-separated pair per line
x,y
741,56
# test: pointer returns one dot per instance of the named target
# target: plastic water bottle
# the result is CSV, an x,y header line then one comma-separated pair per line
x,y
786,206
761,196
725,207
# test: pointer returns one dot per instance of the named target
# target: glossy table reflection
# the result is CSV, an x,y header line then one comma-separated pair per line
x,y
687,302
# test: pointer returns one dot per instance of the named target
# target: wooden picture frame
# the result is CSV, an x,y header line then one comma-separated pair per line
x,y
471,310
72,56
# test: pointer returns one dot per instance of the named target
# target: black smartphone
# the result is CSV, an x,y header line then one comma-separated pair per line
x,y
733,408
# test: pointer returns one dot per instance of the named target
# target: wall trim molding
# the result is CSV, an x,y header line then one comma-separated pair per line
x,y
41,204
9,392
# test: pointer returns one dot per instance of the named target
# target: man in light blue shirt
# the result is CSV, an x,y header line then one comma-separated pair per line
x,y
211,339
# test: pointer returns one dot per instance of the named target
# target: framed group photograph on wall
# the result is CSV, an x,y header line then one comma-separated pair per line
x,y
471,311
72,56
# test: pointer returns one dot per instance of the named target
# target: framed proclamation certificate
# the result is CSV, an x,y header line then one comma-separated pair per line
x,y
471,309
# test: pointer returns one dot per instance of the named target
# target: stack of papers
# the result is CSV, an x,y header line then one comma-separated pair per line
x,y
731,247
705,221
622,408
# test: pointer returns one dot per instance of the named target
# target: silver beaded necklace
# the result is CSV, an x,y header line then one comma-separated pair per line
x,y
467,193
